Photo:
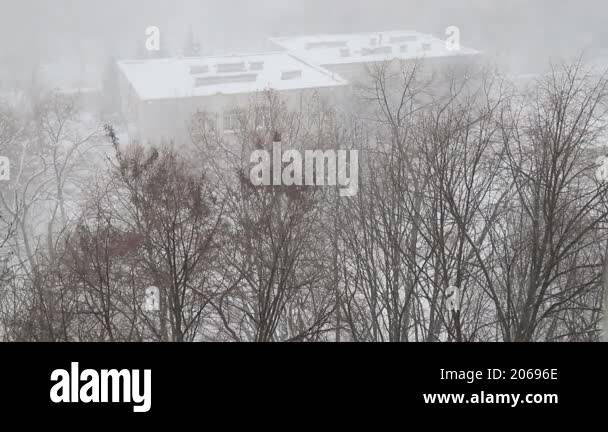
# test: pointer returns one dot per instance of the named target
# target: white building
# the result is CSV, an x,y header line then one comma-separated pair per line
x,y
161,96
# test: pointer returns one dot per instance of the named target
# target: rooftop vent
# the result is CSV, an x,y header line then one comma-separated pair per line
x,y
226,79
256,65
344,52
201,69
292,74
400,39
404,48
376,51
326,44
373,41
426,46
230,67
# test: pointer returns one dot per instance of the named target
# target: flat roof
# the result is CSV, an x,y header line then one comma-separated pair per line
x,y
335,49
187,77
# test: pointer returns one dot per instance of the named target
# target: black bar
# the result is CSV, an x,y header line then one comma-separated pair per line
x,y
248,379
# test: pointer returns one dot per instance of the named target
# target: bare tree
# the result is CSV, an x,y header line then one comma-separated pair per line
x,y
277,285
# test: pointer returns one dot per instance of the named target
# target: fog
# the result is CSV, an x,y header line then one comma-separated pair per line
x,y
523,34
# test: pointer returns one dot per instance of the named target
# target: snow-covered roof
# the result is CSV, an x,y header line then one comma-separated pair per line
x,y
187,77
335,49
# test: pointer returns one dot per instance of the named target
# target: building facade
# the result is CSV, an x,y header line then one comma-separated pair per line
x,y
161,97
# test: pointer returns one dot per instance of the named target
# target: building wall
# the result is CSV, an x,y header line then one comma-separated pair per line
x,y
169,120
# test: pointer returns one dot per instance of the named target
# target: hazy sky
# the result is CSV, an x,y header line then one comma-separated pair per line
x,y
527,32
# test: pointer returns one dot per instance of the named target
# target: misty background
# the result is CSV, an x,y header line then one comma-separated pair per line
x,y
523,35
